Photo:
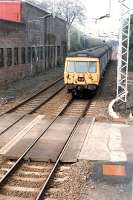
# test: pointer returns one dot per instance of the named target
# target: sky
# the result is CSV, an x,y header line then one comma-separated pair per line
x,y
98,8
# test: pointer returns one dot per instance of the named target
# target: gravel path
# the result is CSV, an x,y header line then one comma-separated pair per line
x,y
105,93
105,191
81,185
70,188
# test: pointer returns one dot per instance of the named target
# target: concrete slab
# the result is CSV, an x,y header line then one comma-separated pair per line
x,y
74,148
15,129
49,145
7,120
127,141
104,143
20,134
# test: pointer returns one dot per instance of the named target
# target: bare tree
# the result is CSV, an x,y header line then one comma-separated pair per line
x,y
69,10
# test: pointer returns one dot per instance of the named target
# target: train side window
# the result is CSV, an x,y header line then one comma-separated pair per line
x,y
9,56
23,56
16,56
29,54
58,51
1,57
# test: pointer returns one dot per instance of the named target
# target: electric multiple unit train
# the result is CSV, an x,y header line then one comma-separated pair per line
x,y
84,69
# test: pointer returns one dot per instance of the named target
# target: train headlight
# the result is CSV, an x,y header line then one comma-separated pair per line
x,y
90,77
67,76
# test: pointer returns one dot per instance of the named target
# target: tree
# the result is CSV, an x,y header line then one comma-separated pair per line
x,y
131,33
69,10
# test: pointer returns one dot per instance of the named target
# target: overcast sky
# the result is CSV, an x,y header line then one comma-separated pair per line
x,y
98,8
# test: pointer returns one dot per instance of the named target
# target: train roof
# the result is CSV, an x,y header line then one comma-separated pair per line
x,y
93,52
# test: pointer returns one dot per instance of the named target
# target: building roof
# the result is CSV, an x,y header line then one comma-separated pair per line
x,y
35,5
42,9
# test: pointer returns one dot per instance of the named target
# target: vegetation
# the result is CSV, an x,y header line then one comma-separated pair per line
x,y
131,39
81,41
71,11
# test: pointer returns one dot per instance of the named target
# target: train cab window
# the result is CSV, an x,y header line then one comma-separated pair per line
x,y
92,67
1,57
16,56
81,67
9,56
70,67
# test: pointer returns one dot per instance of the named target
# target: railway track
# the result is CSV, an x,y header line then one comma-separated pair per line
x,y
39,98
32,179
105,93
53,107
32,104
27,181
19,179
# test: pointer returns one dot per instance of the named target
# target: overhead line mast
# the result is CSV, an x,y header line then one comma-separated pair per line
x,y
123,52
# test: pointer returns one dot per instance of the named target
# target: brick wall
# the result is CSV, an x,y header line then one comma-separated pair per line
x,y
30,47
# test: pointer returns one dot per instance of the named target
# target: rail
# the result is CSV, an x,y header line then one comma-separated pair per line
x,y
31,97
18,163
35,107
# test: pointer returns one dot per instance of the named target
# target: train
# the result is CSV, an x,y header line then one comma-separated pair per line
x,y
84,69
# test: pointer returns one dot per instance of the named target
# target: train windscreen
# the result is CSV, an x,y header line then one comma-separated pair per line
x,y
81,66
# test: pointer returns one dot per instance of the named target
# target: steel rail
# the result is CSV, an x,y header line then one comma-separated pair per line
x,y
44,187
34,109
20,159
31,97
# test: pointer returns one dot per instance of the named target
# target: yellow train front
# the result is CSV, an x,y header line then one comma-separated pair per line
x,y
84,69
